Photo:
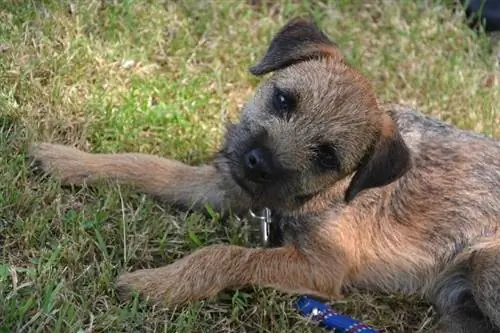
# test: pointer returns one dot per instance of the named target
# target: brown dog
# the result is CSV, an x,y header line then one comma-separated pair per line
x,y
366,195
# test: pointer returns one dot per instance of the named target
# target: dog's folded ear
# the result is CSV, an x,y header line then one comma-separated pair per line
x,y
387,161
297,41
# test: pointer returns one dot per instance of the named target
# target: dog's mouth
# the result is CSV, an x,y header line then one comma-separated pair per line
x,y
232,160
254,190
240,181
271,194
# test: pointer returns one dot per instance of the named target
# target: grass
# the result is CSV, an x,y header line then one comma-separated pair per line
x,y
162,77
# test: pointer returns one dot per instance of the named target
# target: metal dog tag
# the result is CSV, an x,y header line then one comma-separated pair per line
x,y
265,225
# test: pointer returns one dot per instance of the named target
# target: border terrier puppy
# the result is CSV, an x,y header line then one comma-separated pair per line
x,y
366,195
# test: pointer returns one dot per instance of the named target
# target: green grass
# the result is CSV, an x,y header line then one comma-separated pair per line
x,y
162,77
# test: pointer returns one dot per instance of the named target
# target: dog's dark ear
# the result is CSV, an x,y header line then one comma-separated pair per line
x,y
387,161
297,41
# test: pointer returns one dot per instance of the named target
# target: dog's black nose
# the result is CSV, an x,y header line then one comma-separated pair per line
x,y
258,165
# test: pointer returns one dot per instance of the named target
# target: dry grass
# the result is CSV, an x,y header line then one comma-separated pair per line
x,y
161,77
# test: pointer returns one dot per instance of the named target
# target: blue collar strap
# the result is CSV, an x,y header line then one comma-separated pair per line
x,y
324,315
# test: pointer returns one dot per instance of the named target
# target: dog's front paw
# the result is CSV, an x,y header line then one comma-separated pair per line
x,y
170,285
67,163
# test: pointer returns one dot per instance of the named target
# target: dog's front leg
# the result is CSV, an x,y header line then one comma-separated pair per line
x,y
210,270
190,187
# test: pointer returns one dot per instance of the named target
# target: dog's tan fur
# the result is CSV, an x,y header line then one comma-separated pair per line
x,y
405,204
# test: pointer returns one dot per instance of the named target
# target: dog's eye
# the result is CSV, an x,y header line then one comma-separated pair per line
x,y
283,101
327,157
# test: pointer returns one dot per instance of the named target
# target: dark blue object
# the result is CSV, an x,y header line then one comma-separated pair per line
x,y
483,11
328,318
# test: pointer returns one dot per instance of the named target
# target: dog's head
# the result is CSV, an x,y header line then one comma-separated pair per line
x,y
314,122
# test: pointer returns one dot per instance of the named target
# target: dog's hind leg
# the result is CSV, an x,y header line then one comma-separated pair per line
x,y
485,280
190,187
467,296
464,318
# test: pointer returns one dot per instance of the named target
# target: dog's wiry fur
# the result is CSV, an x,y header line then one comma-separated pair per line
x,y
369,195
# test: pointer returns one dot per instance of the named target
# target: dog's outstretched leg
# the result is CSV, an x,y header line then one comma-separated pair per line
x,y
176,183
206,272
